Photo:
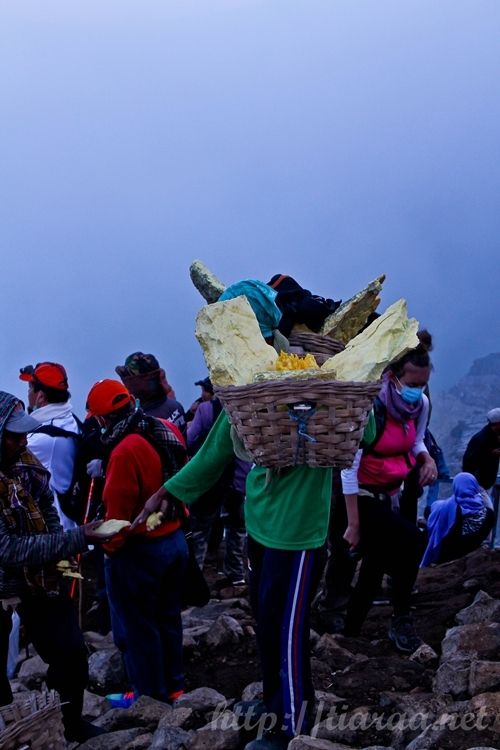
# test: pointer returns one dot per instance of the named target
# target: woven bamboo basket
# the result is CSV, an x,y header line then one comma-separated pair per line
x,y
296,422
322,347
36,723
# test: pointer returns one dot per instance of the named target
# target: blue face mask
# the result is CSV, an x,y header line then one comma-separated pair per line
x,y
411,395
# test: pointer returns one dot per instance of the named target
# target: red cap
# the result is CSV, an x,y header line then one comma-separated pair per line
x,y
49,374
107,396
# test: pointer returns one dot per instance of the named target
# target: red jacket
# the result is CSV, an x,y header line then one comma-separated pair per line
x,y
133,474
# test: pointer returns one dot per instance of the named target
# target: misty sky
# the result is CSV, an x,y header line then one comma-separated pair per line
x,y
331,140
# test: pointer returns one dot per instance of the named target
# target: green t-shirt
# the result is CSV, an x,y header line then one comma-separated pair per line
x,y
289,512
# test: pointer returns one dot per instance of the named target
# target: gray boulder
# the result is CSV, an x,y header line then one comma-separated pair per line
x,y
330,650
483,609
112,741
481,640
222,733
33,673
94,705
106,671
484,676
171,738
225,631
201,699
452,677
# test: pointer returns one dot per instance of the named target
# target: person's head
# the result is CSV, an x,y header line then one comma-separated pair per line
x,y
109,401
15,424
47,384
207,389
144,377
262,300
411,373
465,485
493,417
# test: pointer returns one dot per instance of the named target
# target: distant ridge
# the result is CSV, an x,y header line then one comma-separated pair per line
x,y
461,411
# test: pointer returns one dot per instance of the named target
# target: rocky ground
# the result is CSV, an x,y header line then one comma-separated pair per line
x,y
443,697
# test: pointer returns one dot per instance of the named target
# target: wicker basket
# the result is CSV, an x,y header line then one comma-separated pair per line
x,y
294,422
36,723
321,347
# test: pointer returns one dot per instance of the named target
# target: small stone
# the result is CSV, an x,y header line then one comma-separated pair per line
x,y
201,699
225,631
252,692
470,584
304,742
424,655
94,705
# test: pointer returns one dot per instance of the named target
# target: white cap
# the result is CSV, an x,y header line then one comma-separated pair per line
x,y
494,415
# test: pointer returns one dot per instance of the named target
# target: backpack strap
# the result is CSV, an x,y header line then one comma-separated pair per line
x,y
54,431
278,281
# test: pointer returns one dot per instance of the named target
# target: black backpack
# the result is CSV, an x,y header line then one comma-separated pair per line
x,y
298,305
73,501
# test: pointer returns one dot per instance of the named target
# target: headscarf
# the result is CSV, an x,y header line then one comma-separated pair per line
x,y
262,301
396,406
468,495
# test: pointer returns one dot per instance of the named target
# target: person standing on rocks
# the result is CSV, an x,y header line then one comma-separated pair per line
x,y
32,541
286,515
393,444
147,381
222,505
482,459
54,442
144,568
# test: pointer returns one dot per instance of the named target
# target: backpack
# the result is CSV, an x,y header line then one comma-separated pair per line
x,y
298,305
73,501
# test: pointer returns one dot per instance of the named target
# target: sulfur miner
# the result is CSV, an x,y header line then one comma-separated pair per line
x,y
285,534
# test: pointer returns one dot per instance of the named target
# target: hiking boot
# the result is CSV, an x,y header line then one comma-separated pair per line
x,y
270,740
122,700
402,634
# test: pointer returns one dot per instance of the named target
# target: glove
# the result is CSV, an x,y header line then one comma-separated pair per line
x,y
94,468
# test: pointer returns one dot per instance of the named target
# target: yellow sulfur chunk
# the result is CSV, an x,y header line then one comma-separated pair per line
x,y
288,361
154,520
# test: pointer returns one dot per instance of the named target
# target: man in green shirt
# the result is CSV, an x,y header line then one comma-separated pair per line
x,y
286,515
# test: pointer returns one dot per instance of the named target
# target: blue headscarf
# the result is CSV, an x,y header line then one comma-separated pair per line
x,y
262,301
466,494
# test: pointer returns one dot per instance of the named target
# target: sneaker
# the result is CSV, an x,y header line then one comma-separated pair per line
x,y
172,697
122,700
403,636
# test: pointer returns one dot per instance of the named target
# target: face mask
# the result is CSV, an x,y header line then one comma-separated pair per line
x,y
410,395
